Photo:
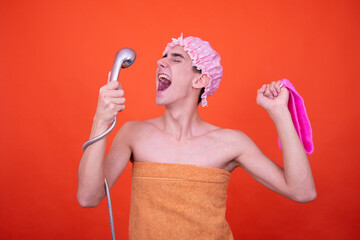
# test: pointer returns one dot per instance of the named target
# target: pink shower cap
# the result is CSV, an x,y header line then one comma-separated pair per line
x,y
204,58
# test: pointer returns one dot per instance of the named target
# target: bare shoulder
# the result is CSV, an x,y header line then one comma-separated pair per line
x,y
236,139
127,128
227,146
134,127
232,135
131,125
128,134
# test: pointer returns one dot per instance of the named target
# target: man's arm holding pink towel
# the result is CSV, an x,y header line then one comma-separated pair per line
x,y
295,180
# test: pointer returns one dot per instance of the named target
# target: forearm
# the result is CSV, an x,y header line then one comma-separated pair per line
x,y
91,169
297,170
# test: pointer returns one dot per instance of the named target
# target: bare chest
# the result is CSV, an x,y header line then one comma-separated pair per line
x,y
204,151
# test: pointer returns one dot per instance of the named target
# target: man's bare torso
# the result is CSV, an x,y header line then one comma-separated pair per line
x,y
209,146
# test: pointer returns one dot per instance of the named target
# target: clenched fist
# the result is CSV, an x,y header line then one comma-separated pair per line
x,y
272,97
111,102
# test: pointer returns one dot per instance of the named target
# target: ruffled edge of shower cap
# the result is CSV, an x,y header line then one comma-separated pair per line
x,y
205,58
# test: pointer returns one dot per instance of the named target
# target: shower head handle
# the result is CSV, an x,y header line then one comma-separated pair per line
x,y
124,58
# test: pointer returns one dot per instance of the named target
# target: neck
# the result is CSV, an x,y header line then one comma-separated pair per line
x,y
182,121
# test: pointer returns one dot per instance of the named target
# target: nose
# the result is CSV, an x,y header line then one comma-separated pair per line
x,y
162,63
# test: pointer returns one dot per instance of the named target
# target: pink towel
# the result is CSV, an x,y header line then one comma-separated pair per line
x,y
300,119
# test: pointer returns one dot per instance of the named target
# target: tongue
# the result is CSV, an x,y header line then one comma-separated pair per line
x,y
163,85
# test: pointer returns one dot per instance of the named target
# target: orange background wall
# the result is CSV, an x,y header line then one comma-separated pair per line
x,y
55,55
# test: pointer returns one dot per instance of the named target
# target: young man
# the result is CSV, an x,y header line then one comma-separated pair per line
x,y
182,164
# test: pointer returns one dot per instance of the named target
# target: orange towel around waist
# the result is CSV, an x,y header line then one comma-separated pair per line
x,y
178,201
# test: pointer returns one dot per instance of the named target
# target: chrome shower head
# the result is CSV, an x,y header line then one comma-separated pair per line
x,y
124,58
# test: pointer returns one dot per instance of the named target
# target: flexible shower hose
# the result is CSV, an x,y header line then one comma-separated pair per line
x,y
86,144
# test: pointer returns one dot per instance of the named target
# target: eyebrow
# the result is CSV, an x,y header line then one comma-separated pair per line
x,y
175,55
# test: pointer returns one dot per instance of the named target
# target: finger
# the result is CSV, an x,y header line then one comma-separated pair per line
x,y
121,108
109,74
115,93
278,85
115,108
267,92
117,84
112,96
273,89
262,89
113,85
118,101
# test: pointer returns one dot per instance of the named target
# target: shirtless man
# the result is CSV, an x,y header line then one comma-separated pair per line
x,y
180,136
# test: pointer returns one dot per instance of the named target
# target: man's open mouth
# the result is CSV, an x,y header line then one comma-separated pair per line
x,y
164,82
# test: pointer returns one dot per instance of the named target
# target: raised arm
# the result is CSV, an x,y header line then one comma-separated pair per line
x,y
93,166
295,181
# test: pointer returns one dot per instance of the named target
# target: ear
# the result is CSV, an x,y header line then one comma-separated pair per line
x,y
201,81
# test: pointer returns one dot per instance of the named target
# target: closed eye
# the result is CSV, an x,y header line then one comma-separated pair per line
x,y
176,57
